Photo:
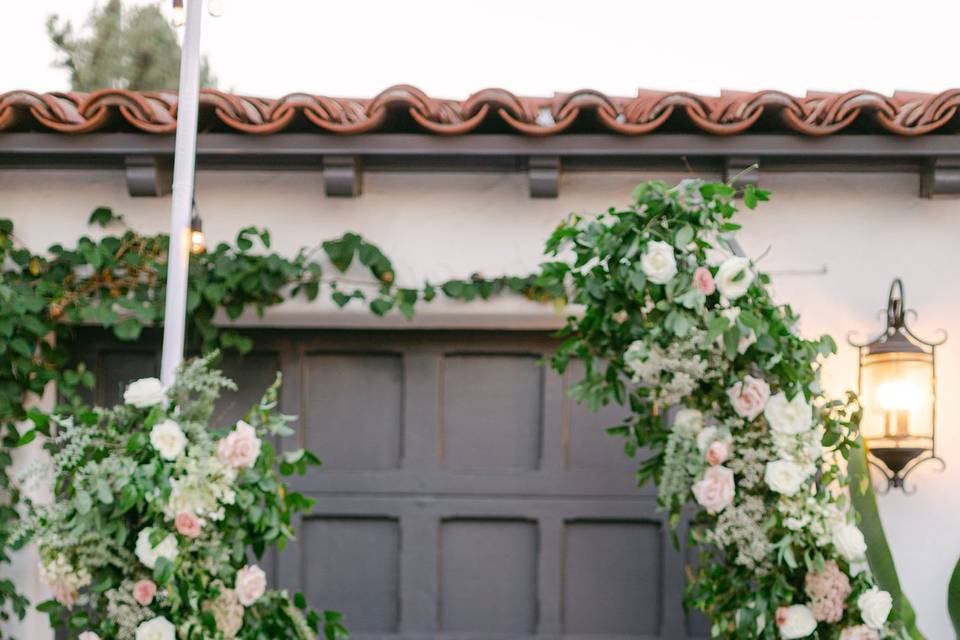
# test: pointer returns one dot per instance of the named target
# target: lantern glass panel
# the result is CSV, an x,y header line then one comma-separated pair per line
x,y
897,396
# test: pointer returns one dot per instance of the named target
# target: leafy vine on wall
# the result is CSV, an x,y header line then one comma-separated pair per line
x,y
117,281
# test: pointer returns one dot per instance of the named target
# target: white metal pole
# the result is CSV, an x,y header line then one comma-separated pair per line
x,y
174,318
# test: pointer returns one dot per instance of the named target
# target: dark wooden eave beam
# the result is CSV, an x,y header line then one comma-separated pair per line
x,y
936,158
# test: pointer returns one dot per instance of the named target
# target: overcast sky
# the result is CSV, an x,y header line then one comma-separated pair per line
x,y
535,47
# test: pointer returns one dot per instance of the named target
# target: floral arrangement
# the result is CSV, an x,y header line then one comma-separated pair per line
x,y
725,398
157,518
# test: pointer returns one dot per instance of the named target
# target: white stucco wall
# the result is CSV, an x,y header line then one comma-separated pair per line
x,y
865,228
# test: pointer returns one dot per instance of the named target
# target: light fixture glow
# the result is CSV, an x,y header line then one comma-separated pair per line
x,y
179,13
198,243
898,395
215,8
897,384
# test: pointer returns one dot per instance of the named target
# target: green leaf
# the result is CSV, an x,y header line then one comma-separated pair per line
x,y
162,571
953,598
879,556
102,216
128,329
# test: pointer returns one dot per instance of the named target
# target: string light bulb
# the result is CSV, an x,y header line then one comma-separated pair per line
x,y
215,8
179,13
198,243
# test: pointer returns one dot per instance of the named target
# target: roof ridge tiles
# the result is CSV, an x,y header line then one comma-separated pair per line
x,y
405,108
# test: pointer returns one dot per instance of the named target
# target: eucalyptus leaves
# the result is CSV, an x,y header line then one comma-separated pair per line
x,y
672,317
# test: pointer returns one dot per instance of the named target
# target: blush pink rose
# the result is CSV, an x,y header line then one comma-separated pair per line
x,y
65,595
251,584
749,397
187,524
703,281
241,448
144,591
718,452
714,492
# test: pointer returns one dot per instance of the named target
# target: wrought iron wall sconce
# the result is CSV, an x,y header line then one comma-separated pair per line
x,y
898,390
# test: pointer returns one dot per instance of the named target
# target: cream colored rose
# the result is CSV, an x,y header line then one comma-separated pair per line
x,y
241,448
734,277
227,612
715,491
796,621
146,392
789,416
749,397
620,316
875,606
88,635
785,477
658,262
168,439
158,628
148,554
688,422
849,542
250,585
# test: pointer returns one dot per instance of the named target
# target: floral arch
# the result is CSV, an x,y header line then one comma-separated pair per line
x,y
724,398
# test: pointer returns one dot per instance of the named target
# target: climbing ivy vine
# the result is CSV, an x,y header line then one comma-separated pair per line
x,y
117,282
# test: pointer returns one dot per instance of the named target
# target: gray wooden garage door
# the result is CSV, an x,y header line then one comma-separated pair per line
x,y
463,495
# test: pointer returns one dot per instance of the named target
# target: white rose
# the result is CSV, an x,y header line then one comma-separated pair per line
x,y
784,476
875,606
788,416
158,628
148,554
716,490
688,422
718,252
88,635
734,277
251,585
146,392
658,262
167,438
849,541
794,622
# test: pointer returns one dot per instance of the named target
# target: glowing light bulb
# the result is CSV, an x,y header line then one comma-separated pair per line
x,y
198,243
215,8
898,395
179,13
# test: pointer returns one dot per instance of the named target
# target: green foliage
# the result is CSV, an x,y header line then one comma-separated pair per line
x,y
878,550
114,483
135,49
650,339
953,598
117,281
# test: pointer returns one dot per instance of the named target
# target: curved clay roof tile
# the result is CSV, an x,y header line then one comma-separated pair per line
x,y
816,114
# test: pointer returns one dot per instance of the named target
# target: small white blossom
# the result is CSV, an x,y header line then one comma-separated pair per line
x,y
144,393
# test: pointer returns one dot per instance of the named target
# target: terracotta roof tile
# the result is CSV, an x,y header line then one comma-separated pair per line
x,y
403,108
